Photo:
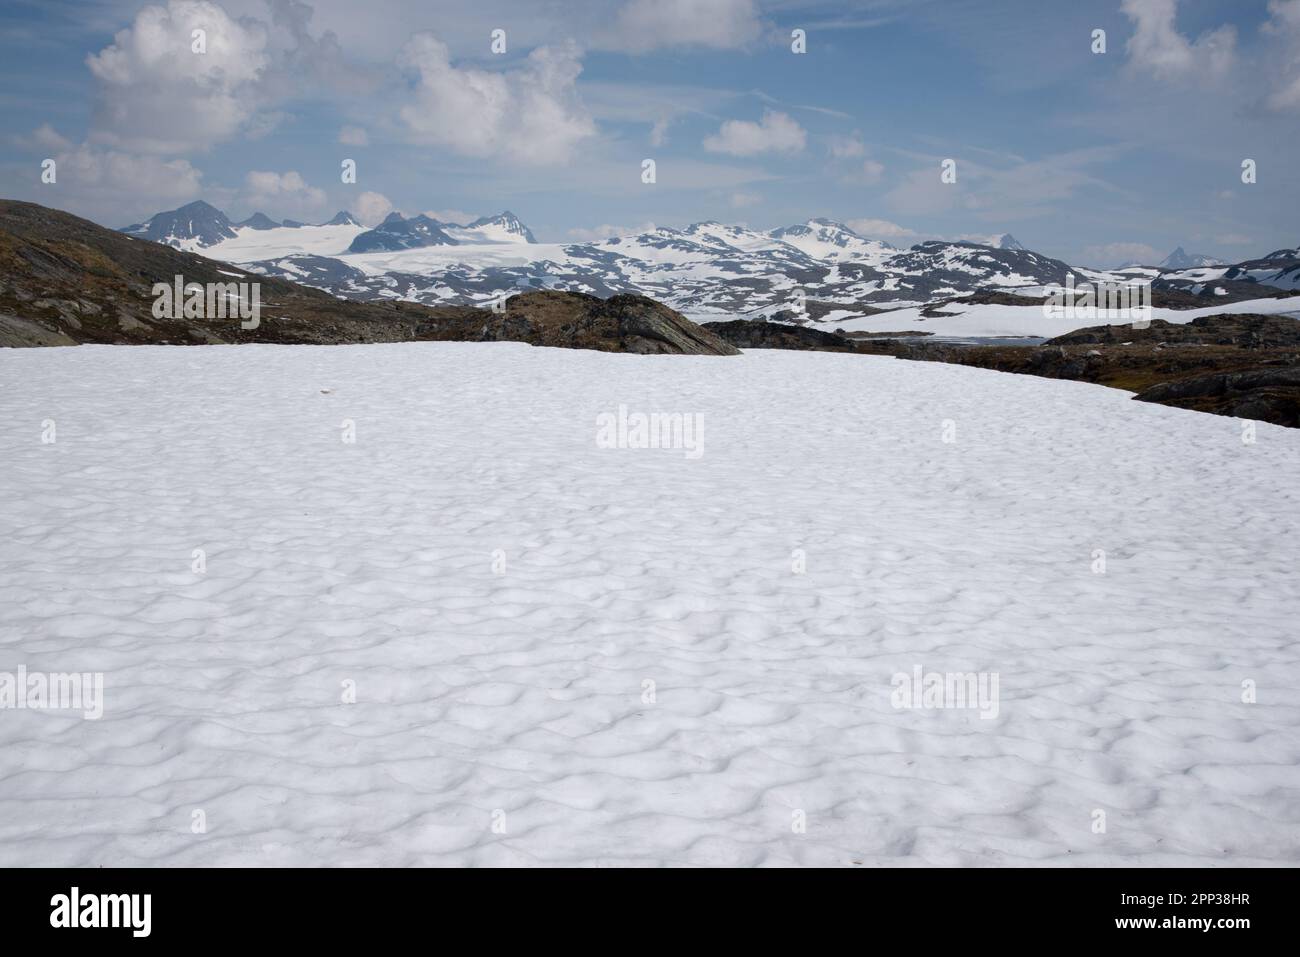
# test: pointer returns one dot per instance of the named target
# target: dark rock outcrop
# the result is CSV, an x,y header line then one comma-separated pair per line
x,y
1270,394
775,335
572,320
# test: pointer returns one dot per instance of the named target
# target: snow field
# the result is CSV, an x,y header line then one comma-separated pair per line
x,y
498,590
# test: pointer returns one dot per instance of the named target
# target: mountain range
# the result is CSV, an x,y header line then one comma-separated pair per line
x,y
819,268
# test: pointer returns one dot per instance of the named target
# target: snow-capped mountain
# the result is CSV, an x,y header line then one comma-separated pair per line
x,y
833,242
421,231
397,232
1181,259
189,228
1279,269
504,227
707,269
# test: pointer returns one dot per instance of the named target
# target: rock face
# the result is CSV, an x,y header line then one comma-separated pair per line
x,y
776,335
1270,394
572,320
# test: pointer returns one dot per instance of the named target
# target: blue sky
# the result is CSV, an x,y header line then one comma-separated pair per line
x,y
1097,158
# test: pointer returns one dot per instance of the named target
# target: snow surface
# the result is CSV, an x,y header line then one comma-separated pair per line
x,y
982,320
522,692
251,245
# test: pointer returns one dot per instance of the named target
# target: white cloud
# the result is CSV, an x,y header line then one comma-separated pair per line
x,y
1233,239
601,233
112,185
1122,254
645,25
44,137
156,95
777,133
879,229
659,132
870,173
1285,26
280,193
846,147
529,116
354,136
1158,48
371,208
743,200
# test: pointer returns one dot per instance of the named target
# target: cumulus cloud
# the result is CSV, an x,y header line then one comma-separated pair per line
x,y
113,185
645,25
371,208
1122,254
776,133
879,229
157,95
1158,48
530,116
280,193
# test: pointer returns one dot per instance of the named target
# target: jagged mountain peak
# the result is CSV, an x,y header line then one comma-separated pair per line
x,y
342,218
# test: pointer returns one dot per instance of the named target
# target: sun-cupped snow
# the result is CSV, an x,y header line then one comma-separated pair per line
x,y
476,634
